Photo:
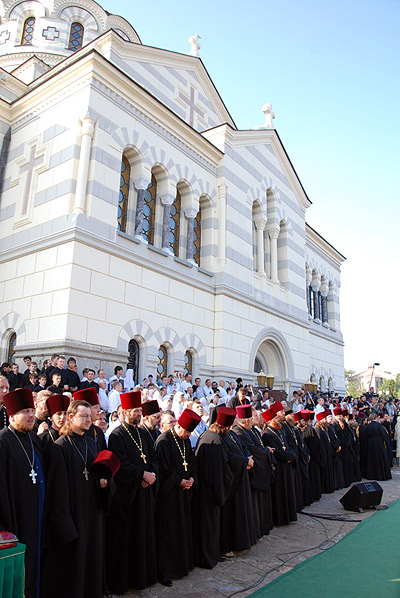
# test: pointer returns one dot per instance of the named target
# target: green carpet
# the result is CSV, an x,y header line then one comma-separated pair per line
x,y
365,563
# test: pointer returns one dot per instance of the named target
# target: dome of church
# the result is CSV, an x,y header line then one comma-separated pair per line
x,y
47,31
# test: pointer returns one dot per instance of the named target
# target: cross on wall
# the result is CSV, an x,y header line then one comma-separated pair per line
x,y
29,167
189,100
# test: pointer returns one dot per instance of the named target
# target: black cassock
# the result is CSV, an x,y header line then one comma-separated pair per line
x,y
304,467
294,446
260,476
377,461
355,454
283,491
98,436
3,417
174,506
215,482
47,438
327,475
130,531
338,476
22,501
344,440
74,522
237,525
313,445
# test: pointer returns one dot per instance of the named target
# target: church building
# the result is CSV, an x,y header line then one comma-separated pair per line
x,y
139,225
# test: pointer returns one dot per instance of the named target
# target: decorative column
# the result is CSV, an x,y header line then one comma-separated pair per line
x,y
260,227
308,297
315,285
222,196
273,235
267,265
324,303
83,168
141,184
190,214
167,202
332,302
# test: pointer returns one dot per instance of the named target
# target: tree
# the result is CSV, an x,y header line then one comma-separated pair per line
x,y
352,384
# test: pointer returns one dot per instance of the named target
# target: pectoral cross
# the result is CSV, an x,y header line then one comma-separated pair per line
x,y
143,457
33,475
284,447
185,464
86,474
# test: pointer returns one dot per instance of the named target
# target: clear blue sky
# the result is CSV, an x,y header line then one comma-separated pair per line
x,y
331,71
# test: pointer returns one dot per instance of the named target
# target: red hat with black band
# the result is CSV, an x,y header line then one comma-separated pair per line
x,y
57,403
226,416
189,420
320,416
297,416
150,408
87,394
244,412
337,411
268,414
131,400
17,400
105,465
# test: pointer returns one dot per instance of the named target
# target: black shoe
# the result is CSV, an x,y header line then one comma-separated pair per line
x,y
165,581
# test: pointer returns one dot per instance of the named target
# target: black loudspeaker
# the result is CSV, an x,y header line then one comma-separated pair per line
x,y
365,495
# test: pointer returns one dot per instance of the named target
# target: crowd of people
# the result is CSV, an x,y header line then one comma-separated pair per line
x,y
113,485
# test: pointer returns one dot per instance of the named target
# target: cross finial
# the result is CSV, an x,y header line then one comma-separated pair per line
x,y
194,45
269,116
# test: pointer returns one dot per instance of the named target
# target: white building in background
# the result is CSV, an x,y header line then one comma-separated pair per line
x,y
138,223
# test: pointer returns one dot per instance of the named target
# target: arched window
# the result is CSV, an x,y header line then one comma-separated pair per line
x,y
197,237
27,32
12,341
123,194
174,224
310,300
162,362
149,211
133,359
75,37
188,363
257,365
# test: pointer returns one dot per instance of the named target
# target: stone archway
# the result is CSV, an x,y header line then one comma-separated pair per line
x,y
271,350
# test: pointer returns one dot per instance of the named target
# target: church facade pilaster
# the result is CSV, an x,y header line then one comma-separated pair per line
x,y
88,125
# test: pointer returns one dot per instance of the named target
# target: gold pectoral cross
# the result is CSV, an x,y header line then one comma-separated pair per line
x,y
143,457
185,464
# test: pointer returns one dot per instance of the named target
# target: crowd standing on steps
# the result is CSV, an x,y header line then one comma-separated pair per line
x,y
127,484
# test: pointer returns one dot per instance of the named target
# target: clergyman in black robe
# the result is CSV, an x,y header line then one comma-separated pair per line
x,y
22,488
130,527
377,462
283,490
327,475
215,481
177,475
74,514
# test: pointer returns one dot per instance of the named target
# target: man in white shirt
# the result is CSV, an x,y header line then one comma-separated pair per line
x,y
114,400
201,427
101,375
207,390
103,398
222,390
187,381
118,371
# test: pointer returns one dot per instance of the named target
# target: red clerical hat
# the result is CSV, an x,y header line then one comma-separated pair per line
x,y
322,415
131,400
243,411
311,414
337,411
226,416
16,400
105,465
345,412
277,406
328,412
189,420
87,394
57,403
268,414
150,407
297,416
304,413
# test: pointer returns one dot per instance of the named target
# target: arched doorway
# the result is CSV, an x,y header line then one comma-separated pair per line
x,y
133,359
271,353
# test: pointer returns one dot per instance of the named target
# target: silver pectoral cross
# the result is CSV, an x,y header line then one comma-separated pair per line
x,y
86,474
33,476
